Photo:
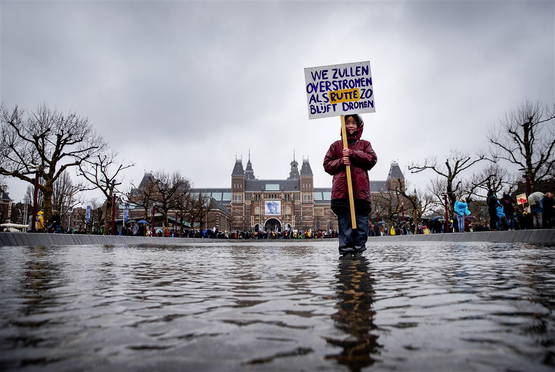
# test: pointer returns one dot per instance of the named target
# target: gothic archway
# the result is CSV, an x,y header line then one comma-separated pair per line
x,y
272,224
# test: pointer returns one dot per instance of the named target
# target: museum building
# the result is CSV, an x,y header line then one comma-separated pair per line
x,y
253,204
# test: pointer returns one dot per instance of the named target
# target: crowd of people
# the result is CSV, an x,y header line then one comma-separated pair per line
x,y
506,214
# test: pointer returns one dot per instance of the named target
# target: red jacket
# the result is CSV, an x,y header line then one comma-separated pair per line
x,y
362,157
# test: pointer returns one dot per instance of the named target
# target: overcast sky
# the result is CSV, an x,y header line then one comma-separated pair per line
x,y
185,86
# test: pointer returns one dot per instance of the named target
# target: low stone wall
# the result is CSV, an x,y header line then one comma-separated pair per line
x,y
544,236
38,239
41,239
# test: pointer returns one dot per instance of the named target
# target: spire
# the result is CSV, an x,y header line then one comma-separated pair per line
x,y
305,169
395,171
249,172
238,168
294,173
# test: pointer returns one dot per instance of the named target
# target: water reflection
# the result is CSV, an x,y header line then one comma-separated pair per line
x,y
42,276
354,315
479,306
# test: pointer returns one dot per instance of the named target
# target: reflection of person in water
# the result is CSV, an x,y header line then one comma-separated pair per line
x,y
354,315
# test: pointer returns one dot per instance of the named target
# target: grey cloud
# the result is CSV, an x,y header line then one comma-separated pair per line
x,y
184,75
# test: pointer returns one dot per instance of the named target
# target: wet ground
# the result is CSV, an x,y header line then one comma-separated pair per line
x,y
417,306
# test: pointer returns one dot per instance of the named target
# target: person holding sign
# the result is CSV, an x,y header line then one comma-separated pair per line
x,y
361,158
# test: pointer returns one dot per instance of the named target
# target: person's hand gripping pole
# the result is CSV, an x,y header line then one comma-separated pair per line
x,y
347,163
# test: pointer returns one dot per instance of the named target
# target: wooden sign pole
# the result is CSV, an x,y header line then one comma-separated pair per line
x,y
348,172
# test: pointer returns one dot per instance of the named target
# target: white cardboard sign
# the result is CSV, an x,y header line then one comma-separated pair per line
x,y
339,89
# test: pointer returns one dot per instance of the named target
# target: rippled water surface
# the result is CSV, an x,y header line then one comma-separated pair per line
x,y
283,306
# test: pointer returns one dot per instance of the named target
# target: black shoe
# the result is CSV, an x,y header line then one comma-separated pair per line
x,y
346,250
360,248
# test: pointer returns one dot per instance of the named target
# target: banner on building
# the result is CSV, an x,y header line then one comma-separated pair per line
x,y
336,90
272,208
521,199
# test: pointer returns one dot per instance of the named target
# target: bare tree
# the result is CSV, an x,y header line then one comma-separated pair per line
x,y
493,178
450,172
386,205
143,195
44,144
102,171
28,197
97,216
182,204
420,203
526,139
167,190
64,195
199,207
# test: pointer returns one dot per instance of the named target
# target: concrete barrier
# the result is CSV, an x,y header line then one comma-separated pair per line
x,y
546,236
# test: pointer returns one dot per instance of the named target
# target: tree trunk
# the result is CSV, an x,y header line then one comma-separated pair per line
x,y
47,203
108,216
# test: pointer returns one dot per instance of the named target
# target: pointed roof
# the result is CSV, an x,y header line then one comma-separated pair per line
x,y
249,172
305,169
294,172
147,178
238,168
395,171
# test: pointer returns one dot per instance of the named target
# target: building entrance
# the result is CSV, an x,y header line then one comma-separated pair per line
x,y
272,224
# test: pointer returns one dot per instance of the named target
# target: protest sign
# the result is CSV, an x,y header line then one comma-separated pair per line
x,y
521,199
336,90
339,90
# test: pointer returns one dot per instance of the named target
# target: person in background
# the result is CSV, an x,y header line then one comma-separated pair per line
x,y
508,204
535,201
548,208
501,217
492,210
461,210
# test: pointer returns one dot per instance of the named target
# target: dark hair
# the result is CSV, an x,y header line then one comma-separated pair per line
x,y
357,118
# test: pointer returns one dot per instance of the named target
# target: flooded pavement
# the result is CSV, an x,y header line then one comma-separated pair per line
x,y
415,306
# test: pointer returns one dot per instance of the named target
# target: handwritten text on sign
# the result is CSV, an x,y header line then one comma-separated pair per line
x,y
339,89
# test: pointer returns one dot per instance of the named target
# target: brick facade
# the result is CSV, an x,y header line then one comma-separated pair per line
x,y
302,206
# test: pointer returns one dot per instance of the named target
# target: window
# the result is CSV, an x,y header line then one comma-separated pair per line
x,y
327,195
272,187
226,196
317,195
